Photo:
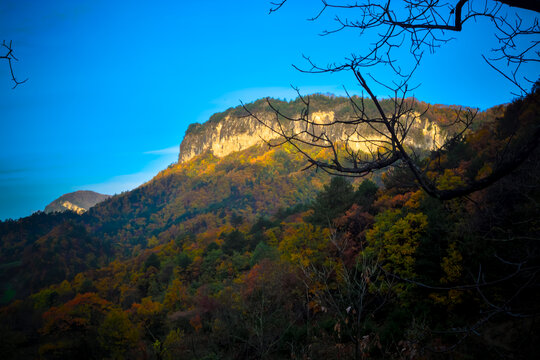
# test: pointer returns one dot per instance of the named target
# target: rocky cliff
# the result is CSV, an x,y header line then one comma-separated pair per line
x,y
232,131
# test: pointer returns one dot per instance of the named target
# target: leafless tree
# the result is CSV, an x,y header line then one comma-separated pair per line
x,y
421,25
425,25
347,291
10,57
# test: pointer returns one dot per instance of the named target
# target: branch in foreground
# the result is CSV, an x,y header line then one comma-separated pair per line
x,y
391,128
10,57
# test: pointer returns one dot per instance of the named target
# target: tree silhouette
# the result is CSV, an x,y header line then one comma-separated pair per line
x,y
422,25
10,57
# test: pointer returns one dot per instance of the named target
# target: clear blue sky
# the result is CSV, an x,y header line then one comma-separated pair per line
x,y
113,85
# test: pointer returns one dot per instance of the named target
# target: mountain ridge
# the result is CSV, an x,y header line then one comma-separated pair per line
x,y
196,195
78,201
235,130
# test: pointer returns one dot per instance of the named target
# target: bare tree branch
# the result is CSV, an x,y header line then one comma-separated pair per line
x,y
10,57
424,23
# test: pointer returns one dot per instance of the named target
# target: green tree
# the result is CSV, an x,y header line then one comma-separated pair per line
x,y
234,241
118,335
152,260
365,194
332,201
263,251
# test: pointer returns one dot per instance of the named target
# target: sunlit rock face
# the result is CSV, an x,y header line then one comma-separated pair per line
x,y
229,135
72,207
234,133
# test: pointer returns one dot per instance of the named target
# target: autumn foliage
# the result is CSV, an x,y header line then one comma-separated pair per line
x,y
248,257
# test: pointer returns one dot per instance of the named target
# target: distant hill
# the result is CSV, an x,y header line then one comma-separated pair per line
x,y
78,201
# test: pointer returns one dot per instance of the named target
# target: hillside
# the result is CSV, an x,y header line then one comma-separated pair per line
x,y
242,255
78,201
197,194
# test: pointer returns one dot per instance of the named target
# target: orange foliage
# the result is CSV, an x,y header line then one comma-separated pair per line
x,y
83,311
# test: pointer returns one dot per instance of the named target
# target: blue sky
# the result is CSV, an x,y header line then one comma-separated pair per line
x,y
113,85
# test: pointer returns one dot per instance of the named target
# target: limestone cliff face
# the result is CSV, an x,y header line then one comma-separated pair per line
x,y
235,133
228,135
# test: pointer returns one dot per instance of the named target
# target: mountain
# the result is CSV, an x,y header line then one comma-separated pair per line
x,y
78,201
235,252
225,170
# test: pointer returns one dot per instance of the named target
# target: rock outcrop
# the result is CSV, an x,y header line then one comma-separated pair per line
x,y
230,131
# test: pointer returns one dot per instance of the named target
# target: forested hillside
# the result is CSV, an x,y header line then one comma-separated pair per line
x,y
197,195
249,257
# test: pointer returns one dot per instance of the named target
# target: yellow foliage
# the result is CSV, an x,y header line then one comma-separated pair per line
x,y
64,288
394,240
78,281
415,199
194,250
450,180
173,345
153,241
451,264
176,296
304,244
485,171
272,237
453,297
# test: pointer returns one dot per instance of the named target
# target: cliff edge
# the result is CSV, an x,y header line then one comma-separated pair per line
x,y
232,130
